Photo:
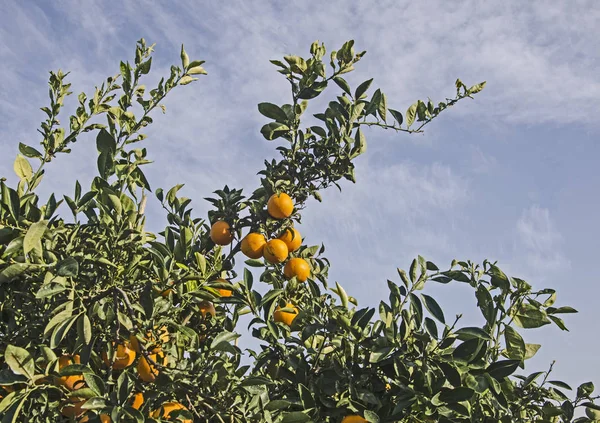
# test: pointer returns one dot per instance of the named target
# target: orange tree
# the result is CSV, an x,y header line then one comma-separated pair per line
x,y
102,320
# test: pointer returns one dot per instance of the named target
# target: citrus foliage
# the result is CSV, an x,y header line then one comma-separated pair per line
x,y
102,320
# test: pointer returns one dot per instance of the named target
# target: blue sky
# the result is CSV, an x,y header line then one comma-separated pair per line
x,y
510,176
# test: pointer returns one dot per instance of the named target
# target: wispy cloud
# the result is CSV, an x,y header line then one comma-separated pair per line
x,y
540,239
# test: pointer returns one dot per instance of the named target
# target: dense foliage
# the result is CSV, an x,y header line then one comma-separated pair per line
x,y
102,320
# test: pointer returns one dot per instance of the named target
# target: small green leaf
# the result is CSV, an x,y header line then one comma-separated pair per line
x,y
473,332
515,344
197,70
105,143
341,82
295,417
185,60
397,116
531,350
411,114
272,111
68,267
362,88
186,79
502,368
434,308
22,167
28,151
273,130
20,361
33,237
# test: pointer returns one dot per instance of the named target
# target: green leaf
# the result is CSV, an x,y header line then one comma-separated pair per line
x,y
12,271
224,336
186,79
560,384
28,151
33,237
473,332
22,167
343,296
272,111
185,60
434,308
295,417
68,267
197,70
105,143
530,317
561,310
273,130
362,88
531,350
87,329
342,84
360,143
371,416
145,66
585,389
502,369
382,108
476,88
456,395
515,345
19,361
411,114
397,115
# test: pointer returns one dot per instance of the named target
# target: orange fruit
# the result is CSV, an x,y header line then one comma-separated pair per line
x,y
147,371
292,238
70,382
280,206
285,316
167,408
220,233
253,245
104,418
222,291
354,419
297,267
206,307
73,409
137,400
124,356
275,251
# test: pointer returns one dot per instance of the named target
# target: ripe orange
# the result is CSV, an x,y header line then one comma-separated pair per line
x,y
70,382
253,245
292,238
285,316
147,371
275,251
297,267
220,233
104,418
124,356
280,206
354,419
167,408
206,307
222,291
137,400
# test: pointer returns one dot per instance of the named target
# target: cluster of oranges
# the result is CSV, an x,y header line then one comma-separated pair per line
x,y
275,251
123,356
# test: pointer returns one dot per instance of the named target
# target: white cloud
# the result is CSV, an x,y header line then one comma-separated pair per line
x,y
541,241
